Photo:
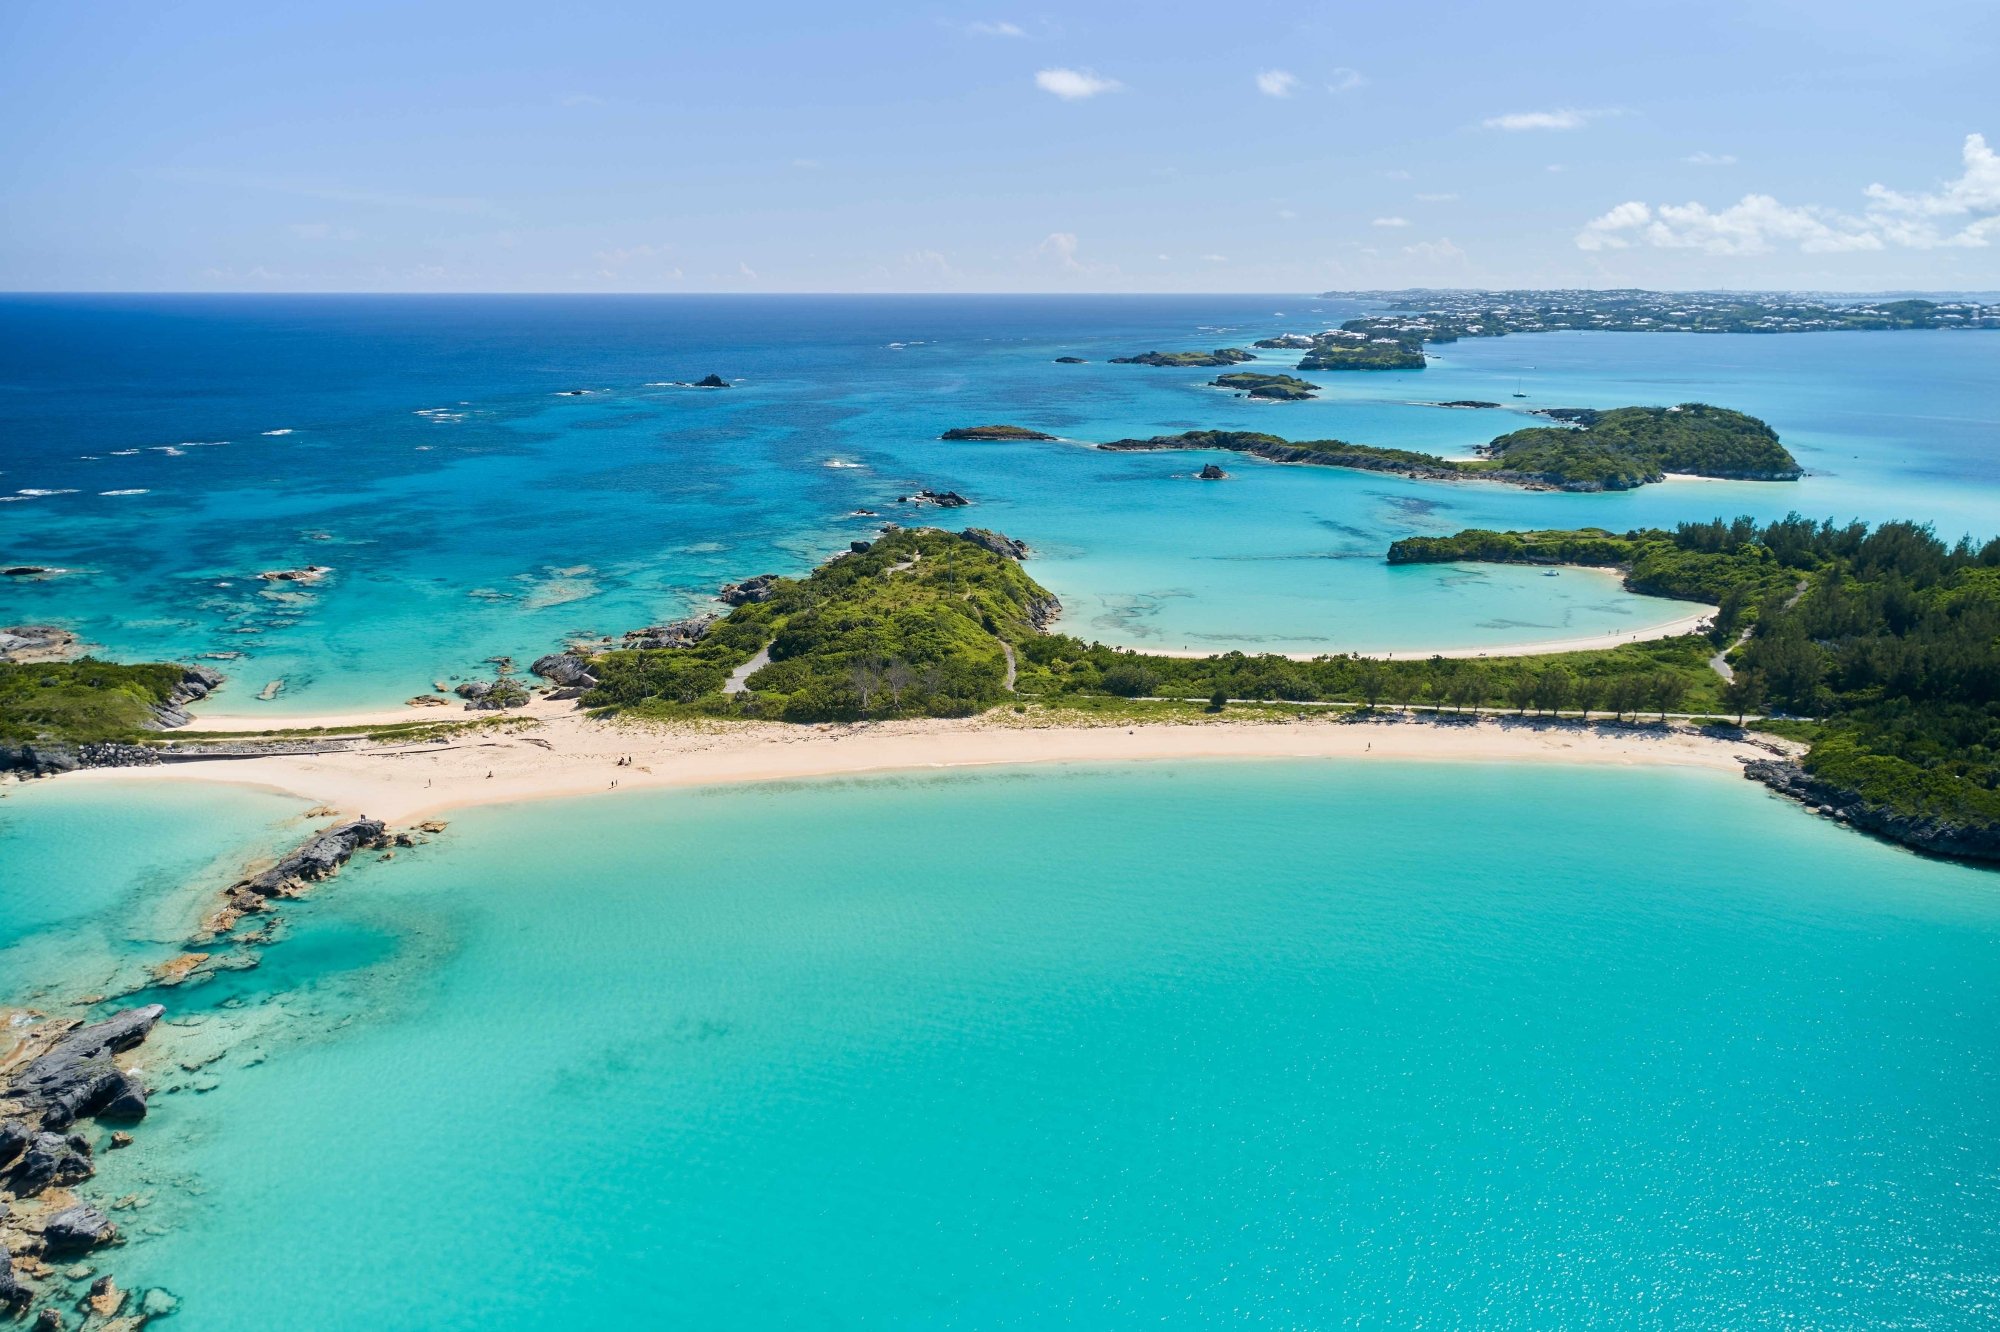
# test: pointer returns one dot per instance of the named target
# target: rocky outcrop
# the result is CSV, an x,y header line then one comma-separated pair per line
x,y
50,1160
749,590
1044,610
678,634
492,695
196,683
711,381
566,670
987,539
323,855
1211,472
310,573
995,432
77,1077
13,1295
77,1229
1931,834
1220,356
1071,360
943,499
37,642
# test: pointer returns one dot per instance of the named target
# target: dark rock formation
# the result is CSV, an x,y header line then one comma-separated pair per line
x,y
1004,546
1467,402
678,634
1044,610
994,432
195,684
36,642
50,1159
13,1137
943,499
28,571
1212,473
565,669
325,853
77,1076
75,1229
1071,360
13,1295
759,588
1931,834
500,696
859,547
310,573
711,381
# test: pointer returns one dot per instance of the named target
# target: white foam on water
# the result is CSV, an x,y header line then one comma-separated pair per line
x,y
286,431
124,492
34,494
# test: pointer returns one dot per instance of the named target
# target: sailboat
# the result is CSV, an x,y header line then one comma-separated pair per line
x,y
1517,386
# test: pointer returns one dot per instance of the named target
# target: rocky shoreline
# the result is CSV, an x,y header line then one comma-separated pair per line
x,y
65,1094
1931,836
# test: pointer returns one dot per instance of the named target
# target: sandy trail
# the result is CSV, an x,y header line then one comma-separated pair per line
x,y
570,755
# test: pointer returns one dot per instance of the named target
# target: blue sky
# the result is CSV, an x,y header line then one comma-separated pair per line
x,y
784,146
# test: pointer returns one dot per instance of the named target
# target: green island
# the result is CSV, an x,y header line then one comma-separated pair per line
x,y
995,432
1617,449
1181,359
1277,388
1879,647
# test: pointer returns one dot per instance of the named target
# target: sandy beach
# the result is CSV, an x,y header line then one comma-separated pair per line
x,y
1686,624
571,755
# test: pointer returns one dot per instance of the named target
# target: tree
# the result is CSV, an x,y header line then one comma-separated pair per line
x,y
1667,690
1368,682
1743,695
1521,692
1553,688
1218,700
1585,693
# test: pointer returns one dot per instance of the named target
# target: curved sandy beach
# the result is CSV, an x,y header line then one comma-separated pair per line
x,y
571,755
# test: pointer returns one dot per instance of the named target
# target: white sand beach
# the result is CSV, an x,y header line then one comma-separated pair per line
x,y
567,754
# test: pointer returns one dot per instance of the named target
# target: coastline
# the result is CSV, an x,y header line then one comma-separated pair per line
x,y
574,755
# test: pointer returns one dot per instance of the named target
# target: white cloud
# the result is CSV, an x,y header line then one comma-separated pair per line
x,y
1564,118
1216,258
928,261
1963,212
1288,214
1446,197
1075,84
746,271
1347,80
978,29
1392,222
1555,168
1710,159
1061,247
1276,82
1437,251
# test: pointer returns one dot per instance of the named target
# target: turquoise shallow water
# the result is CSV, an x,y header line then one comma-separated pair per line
x,y
1271,1044
470,511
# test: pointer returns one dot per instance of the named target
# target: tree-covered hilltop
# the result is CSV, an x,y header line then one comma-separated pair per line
x,y
1887,637
1363,348
919,623
1631,446
85,701
1608,450
1183,359
1277,388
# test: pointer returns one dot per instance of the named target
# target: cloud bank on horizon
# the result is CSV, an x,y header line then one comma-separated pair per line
x,y
895,147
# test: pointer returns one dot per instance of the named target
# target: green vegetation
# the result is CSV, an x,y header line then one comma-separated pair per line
x,y
994,432
1889,637
1361,351
917,625
81,702
1279,388
1630,446
1444,316
1182,359
1609,450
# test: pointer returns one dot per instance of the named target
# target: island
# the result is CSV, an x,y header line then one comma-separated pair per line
x,y
1071,360
1220,356
1363,348
995,432
1616,449
1276,388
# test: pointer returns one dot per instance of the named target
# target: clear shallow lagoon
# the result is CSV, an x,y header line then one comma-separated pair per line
x,y
1279,1044
469,511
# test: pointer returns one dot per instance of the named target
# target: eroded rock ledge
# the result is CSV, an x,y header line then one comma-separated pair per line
x,y
1932,835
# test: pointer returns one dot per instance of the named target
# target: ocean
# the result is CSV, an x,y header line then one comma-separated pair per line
x,y
167,450
1279,1044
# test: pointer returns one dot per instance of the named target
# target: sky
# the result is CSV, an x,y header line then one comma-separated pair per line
x,y
1105,147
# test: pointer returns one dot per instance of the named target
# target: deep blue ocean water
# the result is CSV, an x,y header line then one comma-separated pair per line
x,y
469,511
1291,1044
